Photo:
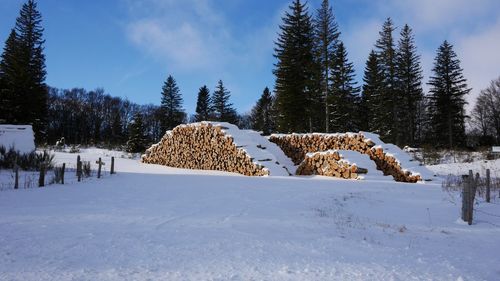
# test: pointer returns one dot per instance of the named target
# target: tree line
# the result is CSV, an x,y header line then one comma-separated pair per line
x,y
315,91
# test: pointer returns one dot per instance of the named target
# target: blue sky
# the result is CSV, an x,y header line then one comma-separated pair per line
x,y
129,47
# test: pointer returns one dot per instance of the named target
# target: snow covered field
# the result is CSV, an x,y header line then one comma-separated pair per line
x,y
156,223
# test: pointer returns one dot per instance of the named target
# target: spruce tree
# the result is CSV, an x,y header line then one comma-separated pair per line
x,y
23,71
372,101
137,141
448,88
222,108
344,98
261,115
409,77
296,72
203,105
171,105
387,114
326,36
8,76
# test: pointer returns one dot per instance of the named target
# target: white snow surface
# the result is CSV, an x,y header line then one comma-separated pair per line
x,y
152,222
463,168
259,148
20,137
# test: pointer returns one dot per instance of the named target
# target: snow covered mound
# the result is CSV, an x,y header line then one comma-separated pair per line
x,y
20,137
389,158
219,146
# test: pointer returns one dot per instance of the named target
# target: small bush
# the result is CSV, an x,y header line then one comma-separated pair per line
x,y
28,162
86,169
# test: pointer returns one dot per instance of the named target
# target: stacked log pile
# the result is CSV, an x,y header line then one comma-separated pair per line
x,y
296,146
329,163
202,146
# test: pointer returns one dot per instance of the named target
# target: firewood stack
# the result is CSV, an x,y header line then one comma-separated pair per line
x,y
296,146
202,146
330,164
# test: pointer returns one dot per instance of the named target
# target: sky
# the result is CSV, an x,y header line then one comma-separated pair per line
x,y
129,47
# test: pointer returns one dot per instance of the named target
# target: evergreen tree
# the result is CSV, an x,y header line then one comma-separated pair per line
x,y
387,59
297,90
448,88
8,75
261,115
23,71
344,99
203,105
326,36
372,99
137,141
409,77
223,110
171,105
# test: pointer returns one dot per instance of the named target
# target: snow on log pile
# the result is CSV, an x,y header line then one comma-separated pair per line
x,y
20,137
221,147
331,163
387,157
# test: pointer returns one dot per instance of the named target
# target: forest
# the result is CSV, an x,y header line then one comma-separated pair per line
x,y
316,90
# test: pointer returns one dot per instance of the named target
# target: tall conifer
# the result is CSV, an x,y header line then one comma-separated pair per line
x,y
410,93
261,115
203,105
23,71
222,108
387,59
344,98
372,102
447,99
171,105
297,90
326,36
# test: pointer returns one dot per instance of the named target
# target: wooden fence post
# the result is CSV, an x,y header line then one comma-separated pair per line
x,y
472,195
112,165
62,172
488,185
16,180
465,197
79,168
99,169
468,195
41,179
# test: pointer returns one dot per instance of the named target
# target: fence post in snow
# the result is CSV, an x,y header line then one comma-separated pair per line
x,y
488,185
99,169
468,195
63,168
78,168
16,180
112,165
465,197
41,179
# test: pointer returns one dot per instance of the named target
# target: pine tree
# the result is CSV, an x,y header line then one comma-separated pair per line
x,y
326,36
171,105
447,99
387,114
137,141
409,77
261,115
344,98
8,75
296,72
203,105
372,100
223,110
23,71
